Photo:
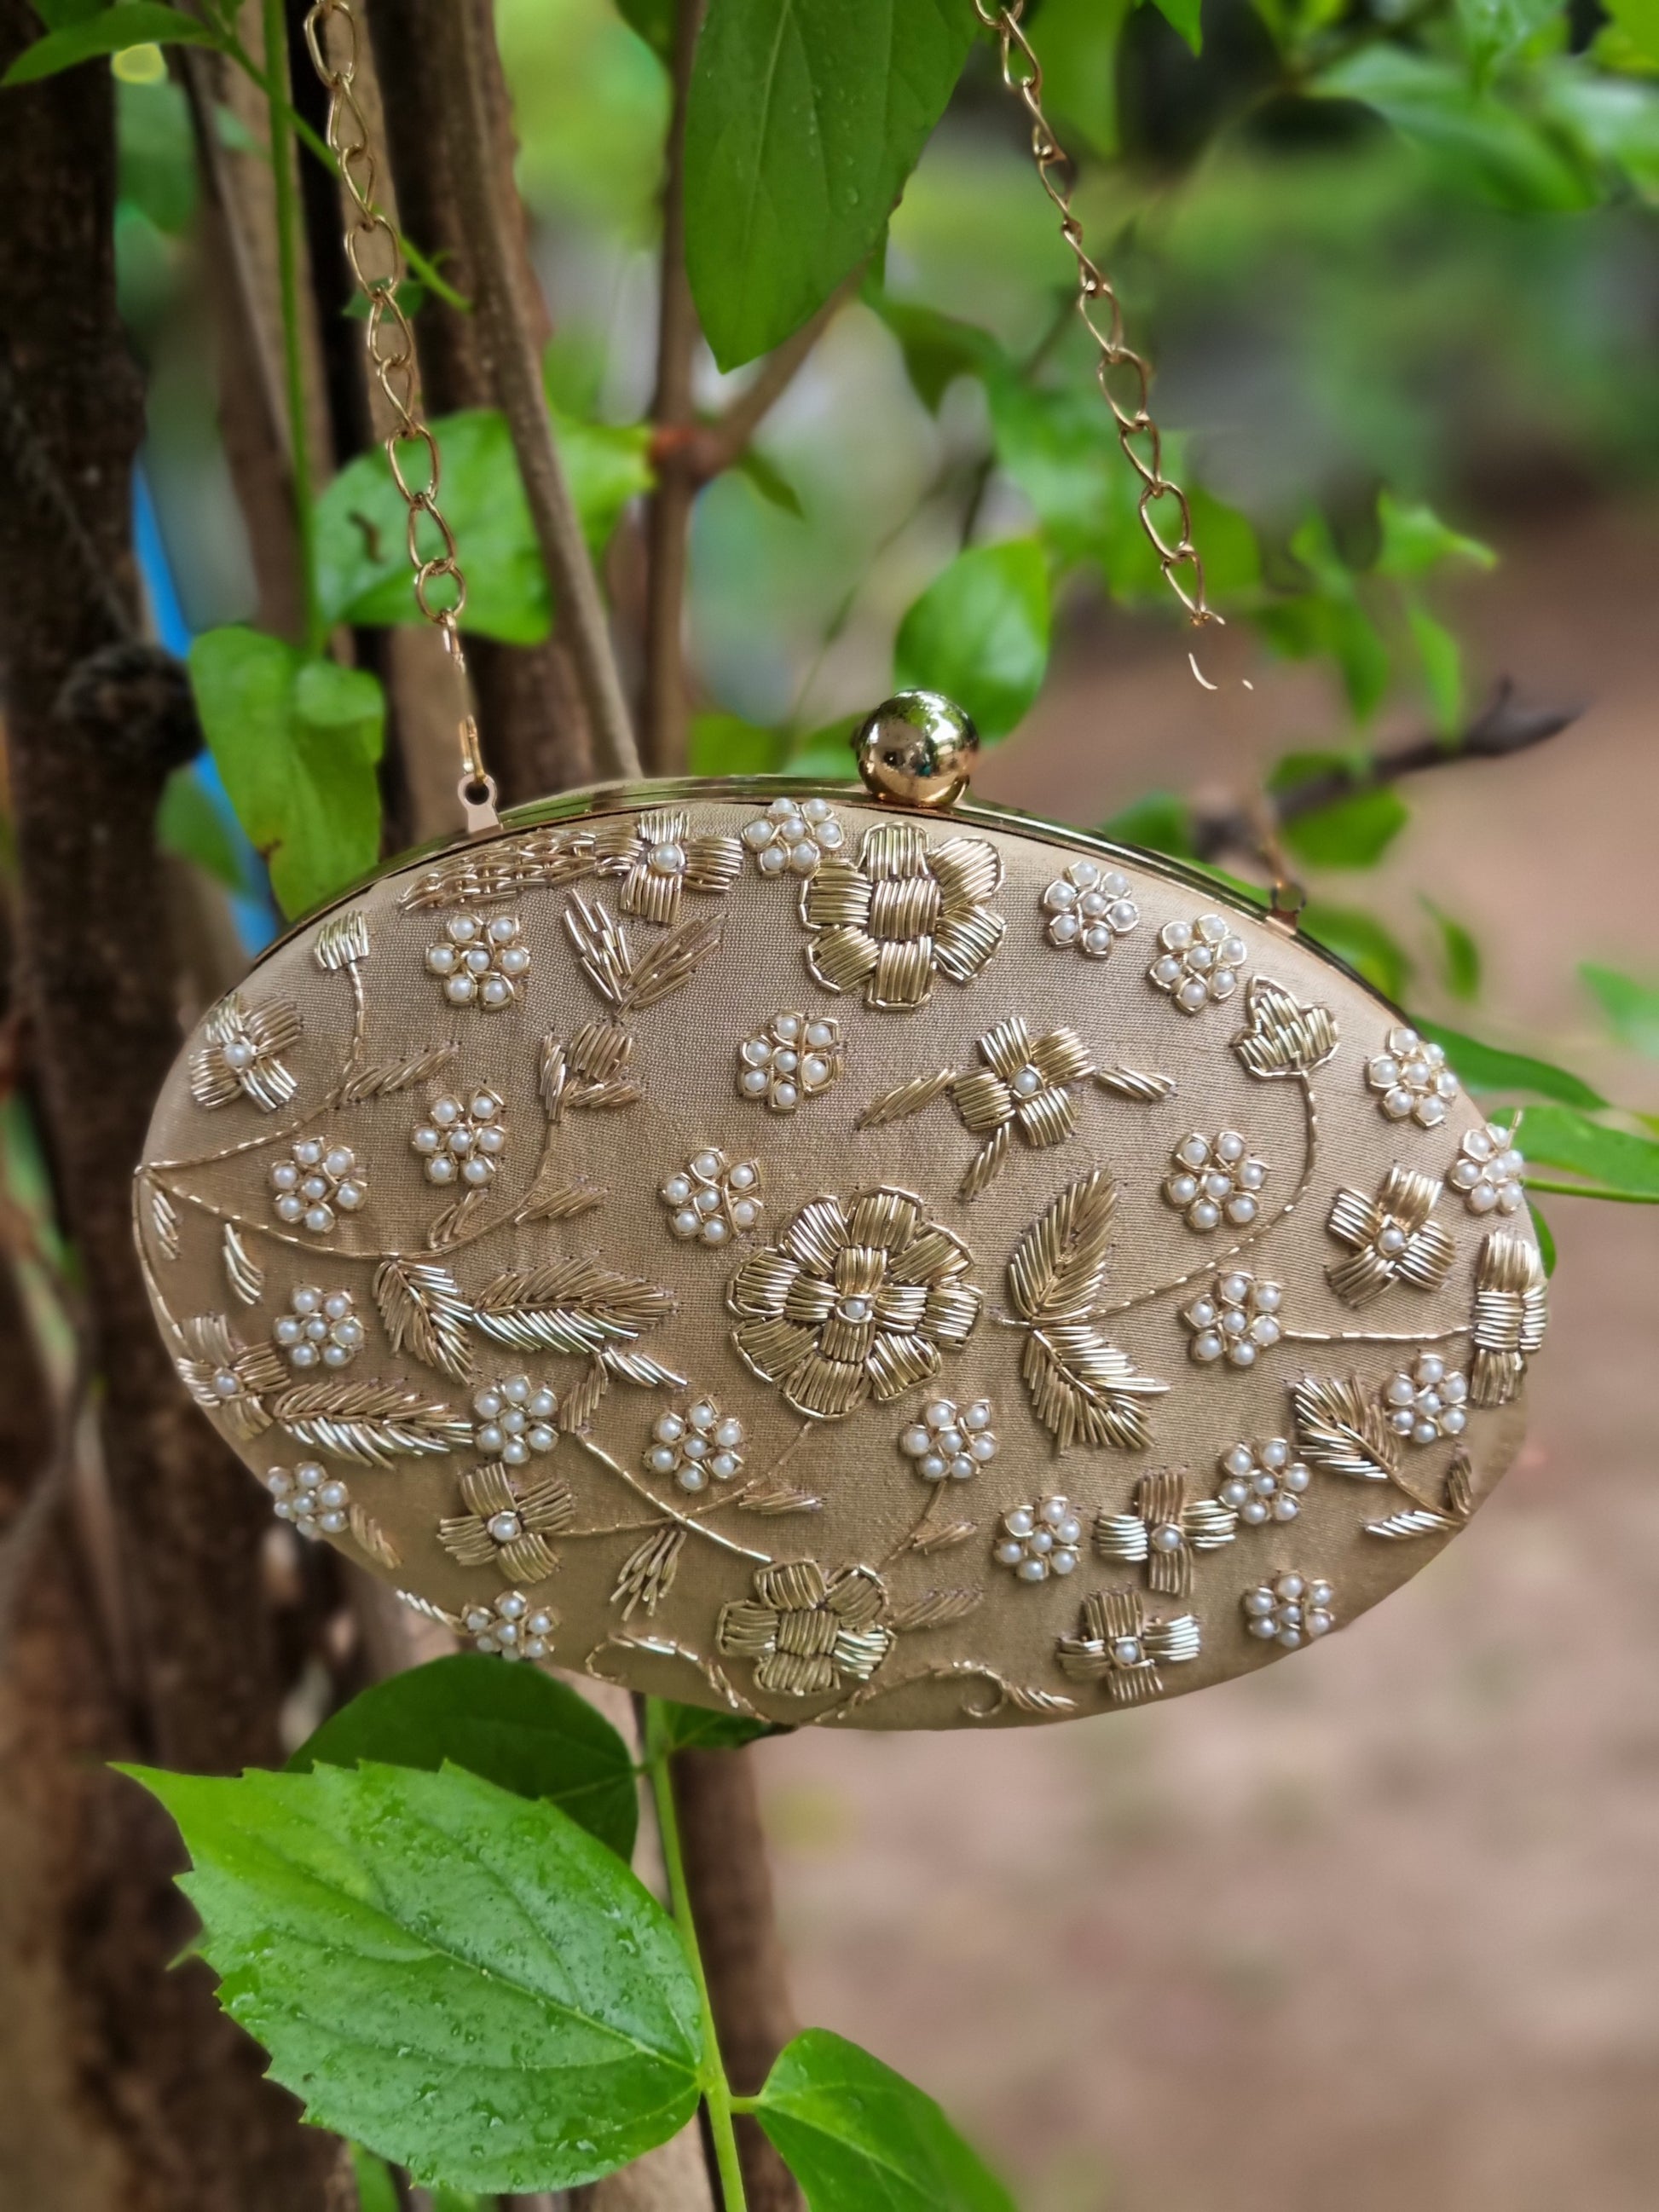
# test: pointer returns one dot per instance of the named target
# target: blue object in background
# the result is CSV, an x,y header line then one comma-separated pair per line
x,y
255,912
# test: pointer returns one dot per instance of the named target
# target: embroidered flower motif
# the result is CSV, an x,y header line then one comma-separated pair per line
x,y
1511,1312
859,1297
462,1139
511,1626
1263,1482
658,863
1089,907
313,1502
806,1632
316,1184
1199,963
793,837
1039,1539
1488,1172
1120,1644
507,1524
697,1446
1391,1237
1428,1403
1410,1078
1021,1086
227,1377
1212,1179
515,1418
1290,1611
949,1441
711,1200
479,962
792,1058
240,1053
1283,1037
1163,1531
1235,1321
902,913
322,1329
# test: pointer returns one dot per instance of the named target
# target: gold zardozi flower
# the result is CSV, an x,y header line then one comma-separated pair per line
x,y
658,863
857,1297
901,914
1391,1238
808,1632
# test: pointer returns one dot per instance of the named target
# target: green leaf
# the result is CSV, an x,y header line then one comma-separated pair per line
x,y
701,1728
1079,43
652,21
157,154
804,119
937,348
1460,956
769,480
1621,1163
295,742
724,744
376,2190
54,14
1494,29
189,825
461,1979
362,564
1415,540
1486,1067
980,634
1162,822
1631,1008
860,2138
1182,15
1546,1236
1361,939
112,31
1442,661
509,1725
1640,20
1353,832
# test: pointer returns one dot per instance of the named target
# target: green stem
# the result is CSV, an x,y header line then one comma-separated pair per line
x,y
1593,1190
716,2089
280,128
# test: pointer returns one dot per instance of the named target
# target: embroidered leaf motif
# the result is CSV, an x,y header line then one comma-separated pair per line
x,y
1423,1520
579,1404
936,1609
370,1537
518,864
399,1074
368,1422
946,1539
550,1198
424,1308
906,1099
627,982
1060,1263
244,1275
163,1217
1342,1429
648,1573
1039,1701
571,1307
1082,1388
767,1496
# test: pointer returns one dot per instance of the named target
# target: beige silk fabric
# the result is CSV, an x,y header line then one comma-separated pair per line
x,y
962,1223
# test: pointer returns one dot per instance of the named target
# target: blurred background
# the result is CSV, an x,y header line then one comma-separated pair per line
x,y
1378,1927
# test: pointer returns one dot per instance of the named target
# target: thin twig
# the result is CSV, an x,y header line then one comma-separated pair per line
x,y
504,326
704,451
1501,729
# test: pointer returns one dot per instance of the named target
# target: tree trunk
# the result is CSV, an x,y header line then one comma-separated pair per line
x,y
161,2095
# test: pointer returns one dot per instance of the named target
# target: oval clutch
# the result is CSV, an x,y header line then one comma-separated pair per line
x,y
840,1261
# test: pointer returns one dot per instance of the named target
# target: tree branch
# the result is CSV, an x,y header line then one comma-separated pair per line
x,y
706,450
1501,730
515,369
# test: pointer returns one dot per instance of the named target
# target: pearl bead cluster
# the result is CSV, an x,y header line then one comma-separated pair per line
x,y
790,1060
1039,1540
697,1446
1412,1080
1215,1178
1089,908
1290,1611
710,1200
323,1328
462,1139
951,1441
1235,1321
511,1626
1488,1170
793,837
315,1503
317,1184
478,963
1263,1482
515,1418
1428,1403
1199,963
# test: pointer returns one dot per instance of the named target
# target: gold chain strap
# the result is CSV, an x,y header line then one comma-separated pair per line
x,y
1021,72
377,262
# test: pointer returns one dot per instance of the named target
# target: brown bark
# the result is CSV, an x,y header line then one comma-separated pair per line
x,y
165,2092
730,1886
535,729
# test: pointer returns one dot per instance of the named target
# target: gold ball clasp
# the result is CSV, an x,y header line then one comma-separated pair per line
x,y
918,746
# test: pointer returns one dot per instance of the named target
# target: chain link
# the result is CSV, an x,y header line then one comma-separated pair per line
x,y
1098,305
377,262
